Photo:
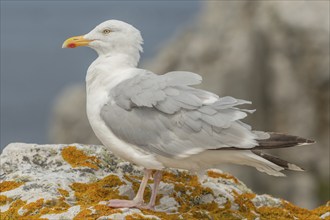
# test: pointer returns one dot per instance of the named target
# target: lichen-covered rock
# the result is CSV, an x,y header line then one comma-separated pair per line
x,y
74,181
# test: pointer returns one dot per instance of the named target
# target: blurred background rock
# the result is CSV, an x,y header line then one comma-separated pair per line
x,y
274,53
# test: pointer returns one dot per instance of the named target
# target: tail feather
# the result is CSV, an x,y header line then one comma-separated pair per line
x,y
278,161
271,164
278,140
262,164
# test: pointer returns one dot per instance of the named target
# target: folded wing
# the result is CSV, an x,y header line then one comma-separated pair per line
x,y
163,115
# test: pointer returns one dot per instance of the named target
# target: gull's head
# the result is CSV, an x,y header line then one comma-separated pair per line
x,y
111,36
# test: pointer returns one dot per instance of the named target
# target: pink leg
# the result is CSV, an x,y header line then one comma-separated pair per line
x,y
138,200
157,179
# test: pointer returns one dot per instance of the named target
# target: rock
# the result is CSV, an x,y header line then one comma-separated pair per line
x,y
274,53
73,182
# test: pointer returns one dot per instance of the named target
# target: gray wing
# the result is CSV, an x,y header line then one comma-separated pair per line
x,y
161,114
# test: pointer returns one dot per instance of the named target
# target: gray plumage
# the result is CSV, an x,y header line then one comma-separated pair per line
x,y
164,116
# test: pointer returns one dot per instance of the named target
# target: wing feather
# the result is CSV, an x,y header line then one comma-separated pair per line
x,y
164,116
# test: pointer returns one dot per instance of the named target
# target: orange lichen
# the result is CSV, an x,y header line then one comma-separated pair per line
x,y
35,209
322,209
274,213
54,206
214,174
188,192
4,200
12,212
84,214
289,211
136,216
78,158
63,192
88,194
183,183
98,211
298,212
9,185
245,205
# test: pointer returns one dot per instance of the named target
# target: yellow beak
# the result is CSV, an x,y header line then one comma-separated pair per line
x,y
76,41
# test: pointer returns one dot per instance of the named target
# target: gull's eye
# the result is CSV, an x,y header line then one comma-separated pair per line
x,y
106,31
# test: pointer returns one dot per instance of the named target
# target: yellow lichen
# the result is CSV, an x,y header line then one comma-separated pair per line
x,y
54,206
246,206
4,200
77,158
188,192
274,213
35,209
187,189
84,214
98,211
322,209
298,212
88,194
136,216
63,192
289,211
214,174
12,213
9,185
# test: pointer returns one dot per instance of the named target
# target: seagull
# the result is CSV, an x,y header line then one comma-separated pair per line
x,y
161,121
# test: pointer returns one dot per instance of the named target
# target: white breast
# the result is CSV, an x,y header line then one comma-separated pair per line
x,y
99,83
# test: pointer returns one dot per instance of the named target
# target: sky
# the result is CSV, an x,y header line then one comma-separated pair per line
x,y
34,68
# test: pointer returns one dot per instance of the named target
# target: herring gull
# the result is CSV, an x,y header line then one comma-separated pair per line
x,y
160,121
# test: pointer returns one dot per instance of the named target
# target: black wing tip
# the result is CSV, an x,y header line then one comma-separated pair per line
x,y
303,141
278,161
287,140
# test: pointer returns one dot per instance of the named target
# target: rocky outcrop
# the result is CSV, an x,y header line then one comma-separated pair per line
x,y
74,181
274,53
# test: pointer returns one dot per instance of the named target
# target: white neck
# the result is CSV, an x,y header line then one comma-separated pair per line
x,y
110,69
120,59
125,54
130,58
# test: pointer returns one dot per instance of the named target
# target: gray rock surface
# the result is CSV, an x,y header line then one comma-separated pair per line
x,y
274,53
75,181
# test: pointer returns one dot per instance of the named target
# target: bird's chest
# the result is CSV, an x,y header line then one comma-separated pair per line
x,y
95,101
98,87
97,97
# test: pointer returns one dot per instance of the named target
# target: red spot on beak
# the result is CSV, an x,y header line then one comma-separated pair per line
x,y
72,45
